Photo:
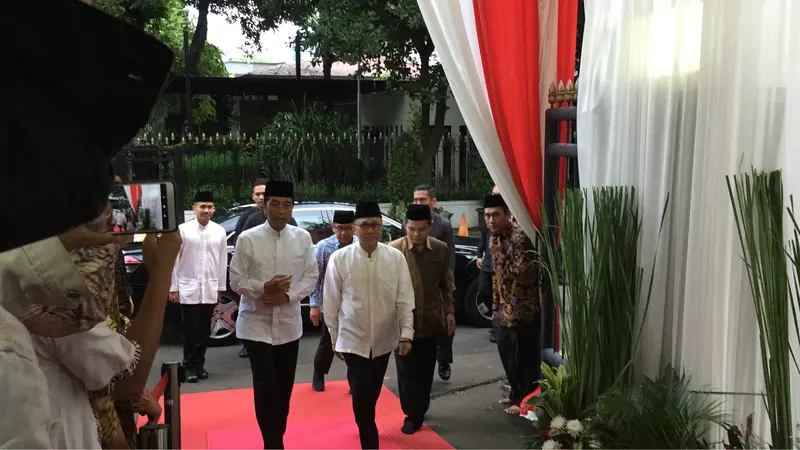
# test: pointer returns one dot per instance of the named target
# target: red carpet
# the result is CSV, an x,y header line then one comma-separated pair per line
x,y
226,420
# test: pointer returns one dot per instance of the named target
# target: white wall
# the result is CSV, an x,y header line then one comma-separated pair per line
x,y
384,108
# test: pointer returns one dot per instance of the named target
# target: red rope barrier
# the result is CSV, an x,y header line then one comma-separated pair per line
x,y
158,391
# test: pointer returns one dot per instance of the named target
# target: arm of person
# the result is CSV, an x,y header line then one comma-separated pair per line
x,y
447,287
240,271
99,358
405,299
302,288
146,330
24,386
240,224
222,277
332,297
174,283
482,244
449,239
316,296
43,274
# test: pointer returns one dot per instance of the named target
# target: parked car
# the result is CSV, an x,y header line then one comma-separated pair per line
x,y
316,219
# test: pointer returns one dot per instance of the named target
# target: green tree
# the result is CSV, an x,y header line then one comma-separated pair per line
x,y
390,39
166,20
254,16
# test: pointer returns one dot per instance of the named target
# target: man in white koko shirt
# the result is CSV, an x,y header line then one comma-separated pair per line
x,y
368,303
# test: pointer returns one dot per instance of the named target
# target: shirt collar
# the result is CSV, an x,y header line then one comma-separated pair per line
x,y
364,253
272,231
339,244
427,244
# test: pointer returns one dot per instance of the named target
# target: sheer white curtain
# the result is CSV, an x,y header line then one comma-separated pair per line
x,y
675,95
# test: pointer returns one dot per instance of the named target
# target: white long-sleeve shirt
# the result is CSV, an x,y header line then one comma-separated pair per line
x,y
201,268
368,300
40,274
261,254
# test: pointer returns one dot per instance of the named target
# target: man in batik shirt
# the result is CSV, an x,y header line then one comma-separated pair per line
x,y
515,305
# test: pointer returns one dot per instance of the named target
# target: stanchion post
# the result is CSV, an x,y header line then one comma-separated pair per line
x,y
172,402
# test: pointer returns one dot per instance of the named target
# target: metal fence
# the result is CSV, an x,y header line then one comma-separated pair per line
x,y
345,166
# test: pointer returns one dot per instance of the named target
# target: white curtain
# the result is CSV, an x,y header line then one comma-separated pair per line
x,y
674,96
451,24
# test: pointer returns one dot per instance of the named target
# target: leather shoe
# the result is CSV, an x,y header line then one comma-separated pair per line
x,y
410,427
444,371
191,376
318,382
202,374
243,352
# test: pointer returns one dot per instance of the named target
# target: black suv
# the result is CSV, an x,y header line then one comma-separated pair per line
x,y
316,219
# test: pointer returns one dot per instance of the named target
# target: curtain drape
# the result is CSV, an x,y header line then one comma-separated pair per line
x,y
675,95
500,110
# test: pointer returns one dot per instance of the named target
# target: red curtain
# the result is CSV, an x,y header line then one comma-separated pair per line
x,y
565,69
508,37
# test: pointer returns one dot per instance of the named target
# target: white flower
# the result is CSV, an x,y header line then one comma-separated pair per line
x,y
551,445
558,423
574,428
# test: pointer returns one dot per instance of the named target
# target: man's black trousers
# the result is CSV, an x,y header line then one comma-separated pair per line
x,y
365,376
274,368
195,331
521,354
415,377
324,356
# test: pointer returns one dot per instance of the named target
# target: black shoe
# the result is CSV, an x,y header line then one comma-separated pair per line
x,y
444,371
492,338
202,374
191,376
318,382
243,352
410,427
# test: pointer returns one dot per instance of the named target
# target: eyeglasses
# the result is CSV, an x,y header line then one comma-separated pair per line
x,y
342,229
369,225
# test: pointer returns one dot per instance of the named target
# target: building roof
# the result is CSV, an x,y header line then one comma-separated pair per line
x,y
307,69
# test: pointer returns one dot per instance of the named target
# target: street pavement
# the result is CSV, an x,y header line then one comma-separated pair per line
x,y
464,410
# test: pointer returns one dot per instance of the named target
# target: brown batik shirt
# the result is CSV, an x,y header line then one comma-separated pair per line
x,y
515,281
432,278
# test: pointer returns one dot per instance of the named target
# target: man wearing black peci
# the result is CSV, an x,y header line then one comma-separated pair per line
x,y
260,217
434,314
368,305
273,268
342,237
442,229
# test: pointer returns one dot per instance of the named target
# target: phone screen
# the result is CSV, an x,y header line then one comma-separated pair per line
x,y
147,207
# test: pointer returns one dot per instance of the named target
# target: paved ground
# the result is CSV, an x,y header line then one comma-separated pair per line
x,y
464,410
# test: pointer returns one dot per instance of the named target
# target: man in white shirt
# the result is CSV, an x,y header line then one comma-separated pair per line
x,y
273,268
198,281
368,304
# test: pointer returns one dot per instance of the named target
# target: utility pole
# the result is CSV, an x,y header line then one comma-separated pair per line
x,y
298,69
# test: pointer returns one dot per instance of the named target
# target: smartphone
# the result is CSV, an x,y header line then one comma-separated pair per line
x,y
143,207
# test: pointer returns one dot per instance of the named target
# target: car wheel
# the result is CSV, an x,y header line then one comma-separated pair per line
x,y
223,323
477,312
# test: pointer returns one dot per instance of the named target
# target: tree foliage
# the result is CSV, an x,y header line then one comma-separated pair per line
x,y
166,20
389,39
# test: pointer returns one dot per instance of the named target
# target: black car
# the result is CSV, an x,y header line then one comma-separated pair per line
x,y
316,219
